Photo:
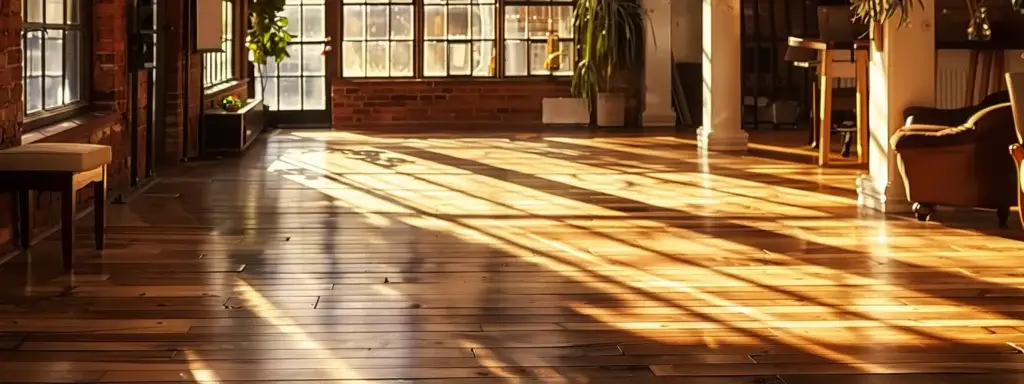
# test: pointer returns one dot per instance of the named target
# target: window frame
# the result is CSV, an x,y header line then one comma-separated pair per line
x,y
419,41
230,52
44,117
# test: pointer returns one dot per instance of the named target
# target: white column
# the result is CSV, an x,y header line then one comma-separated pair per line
x,y
721,128
658,110
901,74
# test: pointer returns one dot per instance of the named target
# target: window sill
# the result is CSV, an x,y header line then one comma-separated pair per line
x,y
56,132
223,87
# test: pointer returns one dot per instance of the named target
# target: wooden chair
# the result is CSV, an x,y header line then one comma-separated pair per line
x,y
1015,85
57,167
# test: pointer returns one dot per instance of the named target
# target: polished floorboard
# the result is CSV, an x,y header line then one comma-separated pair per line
x,y
537,257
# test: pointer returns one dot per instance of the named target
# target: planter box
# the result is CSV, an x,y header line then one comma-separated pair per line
x,y
565,110
231,132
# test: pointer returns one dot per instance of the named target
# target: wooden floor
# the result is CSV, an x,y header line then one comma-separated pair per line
x,y
540,258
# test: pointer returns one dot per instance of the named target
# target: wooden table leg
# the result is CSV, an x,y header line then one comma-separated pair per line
x,y
67,222
863,135
100,210
814,112
825,137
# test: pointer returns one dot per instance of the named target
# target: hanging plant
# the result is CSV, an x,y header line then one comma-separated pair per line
x,y
880,11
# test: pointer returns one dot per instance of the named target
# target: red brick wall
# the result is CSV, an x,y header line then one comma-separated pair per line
x,y
11,108
448,101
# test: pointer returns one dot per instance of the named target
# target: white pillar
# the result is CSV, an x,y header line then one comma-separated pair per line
x,y
658,63
721,128
901,74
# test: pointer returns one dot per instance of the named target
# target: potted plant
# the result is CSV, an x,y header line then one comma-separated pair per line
x,y
268,36
608,39
231,103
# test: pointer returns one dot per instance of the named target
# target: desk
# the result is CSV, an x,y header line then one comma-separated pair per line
x,y
827,57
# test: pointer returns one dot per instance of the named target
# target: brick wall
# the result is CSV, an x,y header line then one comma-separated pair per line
x,y
454,101
11,108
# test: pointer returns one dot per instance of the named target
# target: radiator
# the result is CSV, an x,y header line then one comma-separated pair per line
x,y
951,76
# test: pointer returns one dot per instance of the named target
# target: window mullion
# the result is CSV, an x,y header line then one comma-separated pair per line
x,y
499,39
419,27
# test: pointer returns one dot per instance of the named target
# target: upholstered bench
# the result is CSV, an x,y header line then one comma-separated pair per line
x,y
56,167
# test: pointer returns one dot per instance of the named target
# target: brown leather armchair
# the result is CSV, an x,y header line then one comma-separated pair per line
x,y
960,165
951,117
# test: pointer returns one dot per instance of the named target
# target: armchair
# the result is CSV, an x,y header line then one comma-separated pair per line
x,y
951,117
959,165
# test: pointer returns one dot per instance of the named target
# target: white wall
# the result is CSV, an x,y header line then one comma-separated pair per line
x,y
686,31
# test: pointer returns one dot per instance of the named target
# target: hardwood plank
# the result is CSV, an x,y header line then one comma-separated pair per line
x,y
511,257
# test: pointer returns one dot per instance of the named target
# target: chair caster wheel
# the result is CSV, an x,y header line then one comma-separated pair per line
x,y
923,211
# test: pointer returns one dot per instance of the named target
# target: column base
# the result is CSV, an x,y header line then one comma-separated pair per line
x,y
885,201
722,141
659,118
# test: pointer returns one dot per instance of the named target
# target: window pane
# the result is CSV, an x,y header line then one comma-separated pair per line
x,y
355,26
294,16
482,54
353,56
33,47
72,69
377,59
314,94
435,24
459,58
72,9
313,22
270,98
33,11
435,59
313,61
291,66
54,11
401,58
516,63
290,93
377,22
53,62
401,22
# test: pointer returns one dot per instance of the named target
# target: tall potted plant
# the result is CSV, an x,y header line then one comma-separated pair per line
x,y
268,36
608,38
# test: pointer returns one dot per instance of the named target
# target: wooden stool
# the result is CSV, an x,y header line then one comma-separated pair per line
x,y
57,167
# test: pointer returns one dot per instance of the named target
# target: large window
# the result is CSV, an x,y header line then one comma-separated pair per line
x,y
527,28
219,67
461,38
53,58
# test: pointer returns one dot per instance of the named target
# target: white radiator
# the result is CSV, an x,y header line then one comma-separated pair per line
x,y
951,76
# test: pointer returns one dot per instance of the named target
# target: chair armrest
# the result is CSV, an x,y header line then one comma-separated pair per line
x,y
915,137
938,116
999,115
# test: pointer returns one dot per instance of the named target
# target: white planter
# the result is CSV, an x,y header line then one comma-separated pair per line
x,y
565,110
611,109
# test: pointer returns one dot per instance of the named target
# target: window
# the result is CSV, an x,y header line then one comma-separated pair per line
x,y
52,46
459,38
378,38
527,28
218,67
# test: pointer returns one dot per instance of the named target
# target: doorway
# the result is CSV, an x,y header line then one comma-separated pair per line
x,y
297,88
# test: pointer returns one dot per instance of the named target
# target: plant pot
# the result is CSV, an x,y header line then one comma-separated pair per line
x,y
611,109
565,110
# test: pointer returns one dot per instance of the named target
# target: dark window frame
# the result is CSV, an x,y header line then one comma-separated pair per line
x,y
419,40
47,116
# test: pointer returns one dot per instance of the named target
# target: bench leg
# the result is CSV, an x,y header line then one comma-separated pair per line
x,y
67,223
24,219
99,211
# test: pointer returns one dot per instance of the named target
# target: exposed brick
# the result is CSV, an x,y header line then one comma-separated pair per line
x,y
454,101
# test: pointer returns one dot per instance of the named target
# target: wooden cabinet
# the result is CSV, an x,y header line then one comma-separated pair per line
x,y
232,132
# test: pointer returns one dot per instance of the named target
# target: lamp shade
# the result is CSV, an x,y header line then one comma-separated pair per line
x,y
209,25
